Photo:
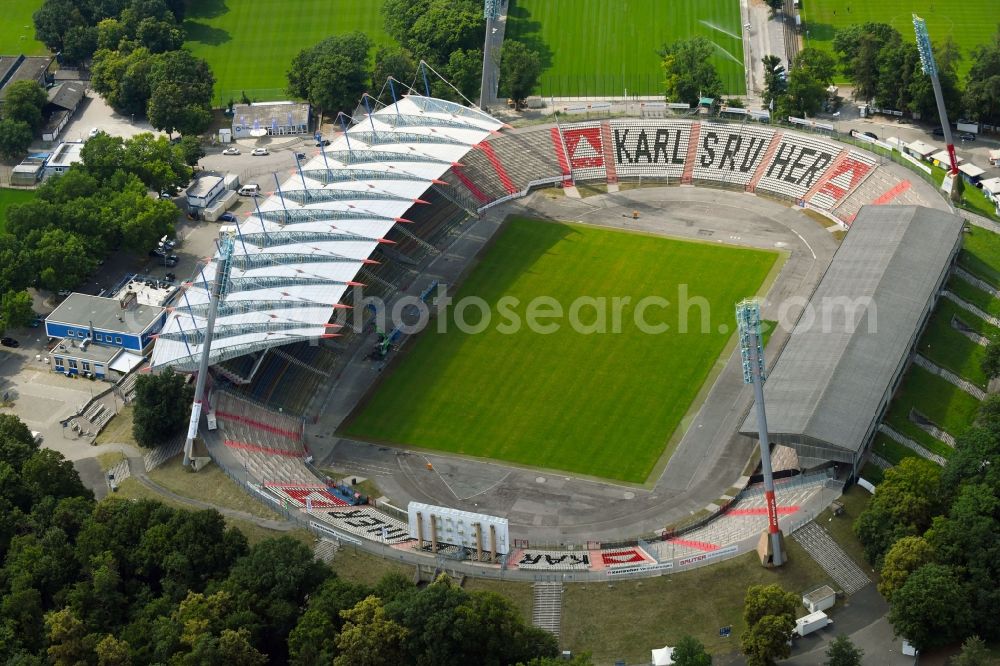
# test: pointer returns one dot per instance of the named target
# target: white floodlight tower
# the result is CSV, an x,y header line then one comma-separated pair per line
x,y
752,353
215,293
930,69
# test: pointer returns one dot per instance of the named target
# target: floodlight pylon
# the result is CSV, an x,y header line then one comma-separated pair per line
x,y
218,287
752,354
929,66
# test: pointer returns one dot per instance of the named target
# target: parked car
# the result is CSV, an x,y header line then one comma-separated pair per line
x,y
250,190
170,260
9,342
966,136
227,217
871,135
231,151
300,156
93,132
257,152
63,293
171,277
938,131
324,142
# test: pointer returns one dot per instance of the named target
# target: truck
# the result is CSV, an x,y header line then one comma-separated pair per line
x,y
807,624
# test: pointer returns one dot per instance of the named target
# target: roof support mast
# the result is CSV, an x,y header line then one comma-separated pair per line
x,y
752,351
218,286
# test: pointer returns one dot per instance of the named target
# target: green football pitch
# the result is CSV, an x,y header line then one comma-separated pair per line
x,y
971,23
249,44
603,404
17,32
603,47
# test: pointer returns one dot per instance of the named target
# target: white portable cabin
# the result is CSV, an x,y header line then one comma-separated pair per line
x,y
807,624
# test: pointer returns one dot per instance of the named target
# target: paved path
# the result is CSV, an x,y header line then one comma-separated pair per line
x,y
821,546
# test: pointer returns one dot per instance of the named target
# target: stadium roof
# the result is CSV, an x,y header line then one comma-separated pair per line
x,y
827,387
294,259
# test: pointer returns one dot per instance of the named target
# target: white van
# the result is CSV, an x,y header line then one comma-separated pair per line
x,y
250,190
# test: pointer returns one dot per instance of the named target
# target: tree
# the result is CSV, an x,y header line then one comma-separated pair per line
x,y
68,644
64,259
54,19
333,74
434,29
805,95
690,652
904,557
191,149
465,71
369,638
157,162
932,608
24,101
113,652
313,641
161,407
395,62
123,79
767,640
842,652
46,472
974,653
16,310
991,360
769,614
80,42
775,81
982,88
820,64
15,137
763,600
181,93
519,70
690,74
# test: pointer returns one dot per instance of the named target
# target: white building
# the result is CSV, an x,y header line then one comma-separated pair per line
x,y
270,119
65,155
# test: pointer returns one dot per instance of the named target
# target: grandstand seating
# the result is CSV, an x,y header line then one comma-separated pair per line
x,y
289,376
585,150
301,496
527,157
797,164
501,171
273,469
431,226
650,149
624,557
244,421
367,523
551,560
479,175
881,183
845,175
730,154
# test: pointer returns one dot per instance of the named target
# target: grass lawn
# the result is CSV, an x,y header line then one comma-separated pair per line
x,y
249,44
518,593
980,254
946,346
624,619
976,296
119,429
133,489
358,566
965,24
891,450
950,408
601,404
604,47
8,196
208,485
17,31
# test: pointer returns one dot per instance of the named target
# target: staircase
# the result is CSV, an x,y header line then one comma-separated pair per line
x,y
692,153
546,612
762,167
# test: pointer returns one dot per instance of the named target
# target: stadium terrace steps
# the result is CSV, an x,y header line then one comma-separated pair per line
x,y
469,185
609,158
304,496
235,444
526,157
692,152
480,171
798,163
847,173
831,557
501,172
892,193
546,610
585,151
772,148
560,152
366,523
730,154
877,182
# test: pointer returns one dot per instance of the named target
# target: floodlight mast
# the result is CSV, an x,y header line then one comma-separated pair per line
x,y
215,294
752,354
930,69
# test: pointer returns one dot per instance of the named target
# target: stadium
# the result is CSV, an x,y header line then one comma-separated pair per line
x,y
420,193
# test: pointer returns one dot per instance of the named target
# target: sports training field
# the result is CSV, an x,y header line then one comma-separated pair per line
x,y
602,47
249,44
15,23
970,23
601,404
8,197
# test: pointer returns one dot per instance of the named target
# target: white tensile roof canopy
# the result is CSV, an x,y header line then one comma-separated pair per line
x,y
294,258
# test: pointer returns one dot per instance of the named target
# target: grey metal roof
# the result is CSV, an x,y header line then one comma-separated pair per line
x,y
66,95
105,314
827,385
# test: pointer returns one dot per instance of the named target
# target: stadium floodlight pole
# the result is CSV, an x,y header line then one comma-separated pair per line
x,y
930,69
215,294
752,353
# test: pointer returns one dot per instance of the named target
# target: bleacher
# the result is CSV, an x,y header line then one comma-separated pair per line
x,y
239,370
798,163
527,156
366,523
431,226
242,420
845,175
585,150
273,469
301,496
730,154
877,184
649,149
289,376
479,171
